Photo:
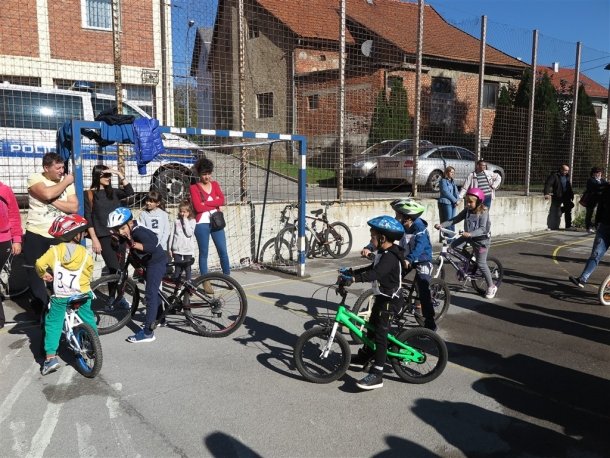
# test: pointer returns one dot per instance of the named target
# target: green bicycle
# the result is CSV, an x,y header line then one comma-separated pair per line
x,y
322,355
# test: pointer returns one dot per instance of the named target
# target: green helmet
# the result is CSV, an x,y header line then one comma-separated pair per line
x,y
408,207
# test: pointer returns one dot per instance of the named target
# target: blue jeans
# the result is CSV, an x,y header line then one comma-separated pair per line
x,y
600,246
202,234
446,212
487,201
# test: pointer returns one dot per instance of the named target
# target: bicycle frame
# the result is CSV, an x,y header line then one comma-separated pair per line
x,y
71,320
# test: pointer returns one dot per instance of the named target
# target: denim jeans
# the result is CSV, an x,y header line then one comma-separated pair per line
x,y
600,246
446,212
202,234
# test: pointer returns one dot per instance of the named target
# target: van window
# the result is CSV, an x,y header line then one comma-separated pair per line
x,y
38,110
100,105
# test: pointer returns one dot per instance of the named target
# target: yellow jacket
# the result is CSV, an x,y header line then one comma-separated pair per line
x,y
73,263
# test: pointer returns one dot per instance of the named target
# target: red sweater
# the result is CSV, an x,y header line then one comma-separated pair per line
x,y
200,198
10,220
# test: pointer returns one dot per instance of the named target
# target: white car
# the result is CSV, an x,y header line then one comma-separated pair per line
x,y
433,160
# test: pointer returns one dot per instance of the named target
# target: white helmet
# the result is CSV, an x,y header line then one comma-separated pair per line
x,y
119,217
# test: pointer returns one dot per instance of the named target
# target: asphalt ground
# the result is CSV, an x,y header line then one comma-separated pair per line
x,y
527,377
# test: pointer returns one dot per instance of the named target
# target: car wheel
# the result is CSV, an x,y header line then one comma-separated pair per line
x,y
173,185
434,181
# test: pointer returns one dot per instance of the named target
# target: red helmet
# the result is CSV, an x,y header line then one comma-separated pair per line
x,y
476,192
67,226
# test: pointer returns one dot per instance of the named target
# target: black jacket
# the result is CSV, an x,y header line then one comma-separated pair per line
x,y
603,209
554,188
386,271
594,188
98,206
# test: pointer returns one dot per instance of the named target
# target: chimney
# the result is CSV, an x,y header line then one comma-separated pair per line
x,y
555,67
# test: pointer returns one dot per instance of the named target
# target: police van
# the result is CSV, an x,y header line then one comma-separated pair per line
x,y
30,117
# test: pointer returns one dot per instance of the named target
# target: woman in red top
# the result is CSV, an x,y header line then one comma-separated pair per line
x,y
207,198
10,231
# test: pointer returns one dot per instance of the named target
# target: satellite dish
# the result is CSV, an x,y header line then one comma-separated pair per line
x,y
367,48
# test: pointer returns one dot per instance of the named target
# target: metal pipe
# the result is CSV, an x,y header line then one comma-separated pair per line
x,y
575,108
118,90
481,85
530,120
341,103
191,23
416,121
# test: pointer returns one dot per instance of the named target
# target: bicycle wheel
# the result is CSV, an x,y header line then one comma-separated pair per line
x,y
311,363
497,273
217,306
435,355
338,240
287,244
13,280
604,291
89,360
441,299
268,254
363,308
111,313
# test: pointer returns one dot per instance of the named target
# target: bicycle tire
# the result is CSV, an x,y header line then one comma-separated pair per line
x,y
441,299
89,362
13,278
337,247
603,293
287,244
307,356
216,314
362,308
110,318
497,273
268,254
435,352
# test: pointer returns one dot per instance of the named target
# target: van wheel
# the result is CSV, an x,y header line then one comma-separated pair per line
x,y
173,185
434,181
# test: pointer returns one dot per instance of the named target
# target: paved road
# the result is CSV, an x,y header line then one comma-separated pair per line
x,y
528,377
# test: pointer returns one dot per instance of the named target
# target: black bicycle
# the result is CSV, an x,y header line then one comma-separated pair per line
x,y
13,279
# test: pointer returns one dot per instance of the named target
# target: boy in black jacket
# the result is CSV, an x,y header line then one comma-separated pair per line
x,y
385,275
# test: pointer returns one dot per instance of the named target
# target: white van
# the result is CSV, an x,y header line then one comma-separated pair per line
x,y
30,117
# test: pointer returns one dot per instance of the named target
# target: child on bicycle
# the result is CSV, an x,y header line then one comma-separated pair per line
x,y
145,249
477,227
385,275
72,267
183,238
418,252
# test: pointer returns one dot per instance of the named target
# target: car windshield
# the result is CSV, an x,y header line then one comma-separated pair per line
x,y
407,148
379,149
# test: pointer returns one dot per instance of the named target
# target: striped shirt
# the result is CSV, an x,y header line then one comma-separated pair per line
x,y
483,183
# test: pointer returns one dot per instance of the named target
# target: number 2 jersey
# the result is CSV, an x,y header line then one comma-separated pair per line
x,y
72,267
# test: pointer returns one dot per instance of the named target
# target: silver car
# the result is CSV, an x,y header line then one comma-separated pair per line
x,y
364,165
433,160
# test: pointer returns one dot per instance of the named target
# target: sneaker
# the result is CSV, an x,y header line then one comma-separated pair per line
x,y
491,292
124,304
50,365
207,287
141,336
359,361
162,324
371,381
577,281
430,324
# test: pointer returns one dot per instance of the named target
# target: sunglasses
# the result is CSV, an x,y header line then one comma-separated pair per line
x,y
106,175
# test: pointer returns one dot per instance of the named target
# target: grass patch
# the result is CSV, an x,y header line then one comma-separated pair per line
x,y
314,174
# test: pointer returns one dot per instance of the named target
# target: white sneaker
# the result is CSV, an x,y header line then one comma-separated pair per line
x,y
491,292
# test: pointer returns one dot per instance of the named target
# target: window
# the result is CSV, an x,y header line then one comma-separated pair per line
x,y
265,105
97,14
466,155
37,110
441,85
490,94
100,105
598,111
449,153
313,101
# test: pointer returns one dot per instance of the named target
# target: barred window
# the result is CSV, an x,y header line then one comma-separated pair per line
x,y
313,101
441,85
97,14
490,94
265,105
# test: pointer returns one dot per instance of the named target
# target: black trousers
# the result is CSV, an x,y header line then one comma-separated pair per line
x,y
34,246
384,309
5,251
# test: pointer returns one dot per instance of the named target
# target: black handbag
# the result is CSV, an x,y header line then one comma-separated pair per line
x,y
217,221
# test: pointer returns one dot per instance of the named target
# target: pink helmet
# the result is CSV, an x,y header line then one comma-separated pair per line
x,y
476,192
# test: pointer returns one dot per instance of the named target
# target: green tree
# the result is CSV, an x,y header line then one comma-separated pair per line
x,y
391,120
588,143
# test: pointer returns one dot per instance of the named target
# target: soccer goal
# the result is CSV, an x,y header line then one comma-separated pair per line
x,y
262,176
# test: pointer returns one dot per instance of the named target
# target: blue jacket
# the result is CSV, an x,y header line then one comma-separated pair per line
x,y
147,143
449,192
416,243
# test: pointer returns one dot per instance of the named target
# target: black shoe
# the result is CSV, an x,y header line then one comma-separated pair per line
x,y
577,281
359,361
430,324
372,381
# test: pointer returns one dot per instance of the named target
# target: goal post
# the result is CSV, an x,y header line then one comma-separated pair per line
x,y
251,213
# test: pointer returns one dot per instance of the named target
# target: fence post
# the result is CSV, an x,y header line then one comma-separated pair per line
x,y
608,132
530,120
341,102
575,108
481,86
416,121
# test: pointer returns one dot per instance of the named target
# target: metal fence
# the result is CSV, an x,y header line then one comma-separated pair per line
x,y
348,75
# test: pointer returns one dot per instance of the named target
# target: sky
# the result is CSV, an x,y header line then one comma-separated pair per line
x,y
560,23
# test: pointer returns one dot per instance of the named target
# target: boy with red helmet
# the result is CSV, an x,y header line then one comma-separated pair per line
x,y
72,268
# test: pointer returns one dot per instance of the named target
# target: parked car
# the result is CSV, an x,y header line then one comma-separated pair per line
x,y
432,162
364,165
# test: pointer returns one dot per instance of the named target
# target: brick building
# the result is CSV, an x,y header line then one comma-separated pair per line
x,y
291,67
62,42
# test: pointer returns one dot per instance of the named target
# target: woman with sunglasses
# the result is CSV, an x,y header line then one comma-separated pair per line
x,y
100,200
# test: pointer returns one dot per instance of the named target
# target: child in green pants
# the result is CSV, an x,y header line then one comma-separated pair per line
x,y
72,268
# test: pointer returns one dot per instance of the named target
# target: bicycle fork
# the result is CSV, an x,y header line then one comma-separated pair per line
x,y
72,320
329,342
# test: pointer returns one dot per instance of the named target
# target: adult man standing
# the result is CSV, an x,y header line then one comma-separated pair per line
x,y
50,194
559,189
486,180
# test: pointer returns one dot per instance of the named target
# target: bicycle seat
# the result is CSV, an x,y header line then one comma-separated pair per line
x,y
186,263
317,212
77,300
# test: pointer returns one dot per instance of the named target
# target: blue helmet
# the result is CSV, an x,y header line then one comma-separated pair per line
x,y
388,226
119,217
